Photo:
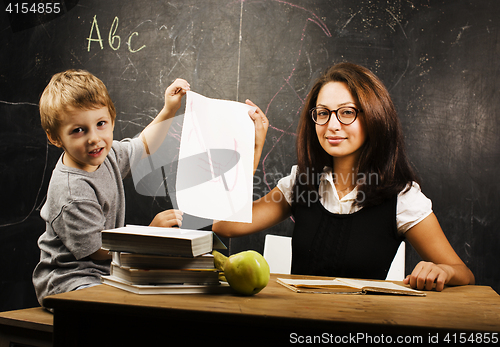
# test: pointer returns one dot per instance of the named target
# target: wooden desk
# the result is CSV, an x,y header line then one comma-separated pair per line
x,y
27,327
276,313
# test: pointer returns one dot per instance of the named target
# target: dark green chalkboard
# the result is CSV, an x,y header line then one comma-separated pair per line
x,y
438,58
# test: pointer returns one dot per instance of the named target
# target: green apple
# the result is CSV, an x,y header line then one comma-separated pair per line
x,y
247,272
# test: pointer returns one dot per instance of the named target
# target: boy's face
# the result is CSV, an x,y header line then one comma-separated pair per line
x,y
86,137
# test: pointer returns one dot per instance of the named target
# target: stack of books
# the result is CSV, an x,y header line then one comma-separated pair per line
x,y
150,260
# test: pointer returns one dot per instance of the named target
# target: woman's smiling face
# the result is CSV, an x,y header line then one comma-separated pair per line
x,y
339,140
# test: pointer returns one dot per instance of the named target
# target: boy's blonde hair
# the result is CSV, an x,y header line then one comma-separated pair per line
x,y
72,89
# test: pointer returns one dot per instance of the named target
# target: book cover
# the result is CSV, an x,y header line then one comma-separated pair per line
x,y
166,288
158,241
163,276
346,286
145,261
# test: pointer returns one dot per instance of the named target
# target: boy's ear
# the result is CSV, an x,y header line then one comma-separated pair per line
x,y
54,140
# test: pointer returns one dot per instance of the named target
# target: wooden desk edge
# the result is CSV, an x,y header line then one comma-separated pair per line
x,y
35,318
65,303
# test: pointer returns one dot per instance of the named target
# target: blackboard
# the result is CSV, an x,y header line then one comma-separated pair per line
x,y
438,58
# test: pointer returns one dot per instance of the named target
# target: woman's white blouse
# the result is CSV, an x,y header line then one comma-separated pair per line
x,y
412,206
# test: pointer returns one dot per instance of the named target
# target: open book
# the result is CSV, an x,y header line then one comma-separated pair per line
x,y
346,286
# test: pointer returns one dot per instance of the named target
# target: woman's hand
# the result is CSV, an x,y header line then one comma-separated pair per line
x,y
442,265
168,219
426,274
261,124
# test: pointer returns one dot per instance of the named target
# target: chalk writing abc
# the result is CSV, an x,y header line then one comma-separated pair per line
x,y
114,40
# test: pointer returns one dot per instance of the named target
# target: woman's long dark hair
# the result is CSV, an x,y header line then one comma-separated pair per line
x,y
383,168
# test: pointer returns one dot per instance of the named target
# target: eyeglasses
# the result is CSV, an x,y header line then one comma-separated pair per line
x,y
345,115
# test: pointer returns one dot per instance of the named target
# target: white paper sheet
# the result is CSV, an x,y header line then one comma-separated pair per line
x,y
215,168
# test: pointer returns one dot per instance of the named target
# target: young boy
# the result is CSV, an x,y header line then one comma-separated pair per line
x,y
86,194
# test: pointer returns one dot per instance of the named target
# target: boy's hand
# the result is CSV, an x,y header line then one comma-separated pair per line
x,y
261,124
167,219
154,134
174,94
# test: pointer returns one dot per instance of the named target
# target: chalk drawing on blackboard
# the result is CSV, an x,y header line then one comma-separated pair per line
x,y
35,205
310,17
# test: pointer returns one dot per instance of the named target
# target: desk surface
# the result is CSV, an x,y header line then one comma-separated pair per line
x,y
31,318
464,308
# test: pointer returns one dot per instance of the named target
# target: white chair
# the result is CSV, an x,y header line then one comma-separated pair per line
x,y
397,269
278,254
